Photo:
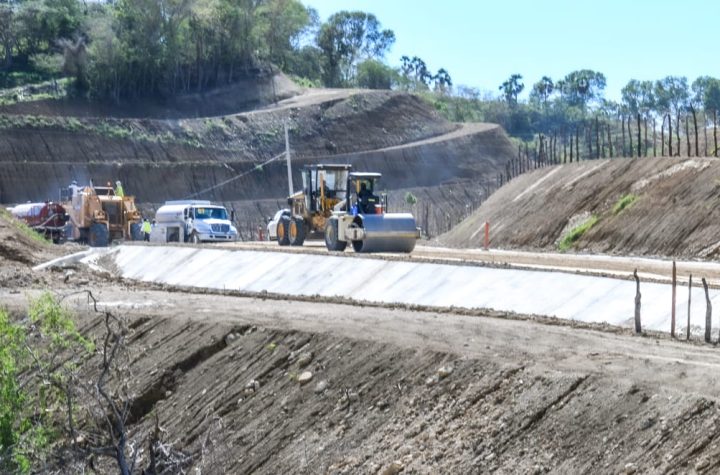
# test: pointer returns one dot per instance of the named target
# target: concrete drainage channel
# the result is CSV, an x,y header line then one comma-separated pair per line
x,y
569,296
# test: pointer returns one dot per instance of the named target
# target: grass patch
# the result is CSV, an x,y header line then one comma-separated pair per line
x,y
623,203
22,227
576,233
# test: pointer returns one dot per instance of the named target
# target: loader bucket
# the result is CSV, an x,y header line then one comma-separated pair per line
x,y
396,232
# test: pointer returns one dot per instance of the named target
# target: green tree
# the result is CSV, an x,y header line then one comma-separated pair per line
x,y
348,38
306,63
631,96
38,359
442,81
583,87
542,90
512,88
7,33
373,74
414,74
672,95
698,88
106,59
711,102
280,25
40,23
50,65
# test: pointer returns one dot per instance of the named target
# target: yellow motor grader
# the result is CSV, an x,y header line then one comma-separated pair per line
x,y
342,207
98,216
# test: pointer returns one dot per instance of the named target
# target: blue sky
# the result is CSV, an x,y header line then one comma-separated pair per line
x,y
481,43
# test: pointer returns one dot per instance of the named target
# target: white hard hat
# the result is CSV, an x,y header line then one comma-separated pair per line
x,y
117,182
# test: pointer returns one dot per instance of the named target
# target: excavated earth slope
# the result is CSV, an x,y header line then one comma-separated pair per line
x,y
389,389
671,208
446,165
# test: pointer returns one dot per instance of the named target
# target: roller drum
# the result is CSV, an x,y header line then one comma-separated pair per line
x,y
396,232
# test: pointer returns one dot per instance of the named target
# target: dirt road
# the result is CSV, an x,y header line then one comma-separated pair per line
x,y
654,361
658,362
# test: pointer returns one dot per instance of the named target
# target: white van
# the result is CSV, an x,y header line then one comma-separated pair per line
x,y
193,221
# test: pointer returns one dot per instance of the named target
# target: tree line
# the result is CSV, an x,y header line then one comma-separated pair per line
x,y
129,49
570,118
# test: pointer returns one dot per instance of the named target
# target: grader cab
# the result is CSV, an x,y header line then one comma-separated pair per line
x,y
343,207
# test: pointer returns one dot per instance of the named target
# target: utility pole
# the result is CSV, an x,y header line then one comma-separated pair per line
x,y
287,157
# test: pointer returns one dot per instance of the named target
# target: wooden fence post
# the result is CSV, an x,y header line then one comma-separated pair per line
x,y
708,312
689,299
638,326
639,138
674,294
486,241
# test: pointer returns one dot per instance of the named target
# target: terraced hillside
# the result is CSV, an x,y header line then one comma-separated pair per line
x,y
160,159
663,206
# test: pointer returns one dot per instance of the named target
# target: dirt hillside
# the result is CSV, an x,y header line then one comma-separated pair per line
x,y
391,389
20,249
271,385
157,159
647,206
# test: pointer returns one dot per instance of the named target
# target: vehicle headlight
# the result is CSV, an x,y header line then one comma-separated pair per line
x,y
233,229
203,227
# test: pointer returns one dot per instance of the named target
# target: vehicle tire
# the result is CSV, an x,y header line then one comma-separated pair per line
x,y
194,238
296,231
283,231
331,237
136,233
98,235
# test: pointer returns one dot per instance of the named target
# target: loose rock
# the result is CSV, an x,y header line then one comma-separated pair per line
x,y
305,359
321,387
252,386
394,468
305,377
444,372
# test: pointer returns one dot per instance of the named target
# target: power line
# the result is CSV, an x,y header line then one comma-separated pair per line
x,y
236,177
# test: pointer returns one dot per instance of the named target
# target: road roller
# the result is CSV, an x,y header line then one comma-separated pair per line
x,y
344,207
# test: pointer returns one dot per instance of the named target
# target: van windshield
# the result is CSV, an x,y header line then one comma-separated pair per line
x,y
210,213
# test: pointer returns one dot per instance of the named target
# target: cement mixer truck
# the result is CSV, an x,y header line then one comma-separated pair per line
x,y
193,221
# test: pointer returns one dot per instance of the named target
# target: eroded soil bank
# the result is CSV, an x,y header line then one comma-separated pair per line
x,y
430,392
647,206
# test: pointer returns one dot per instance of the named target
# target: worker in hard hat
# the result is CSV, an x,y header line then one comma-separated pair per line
x,y
119,189
146,229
